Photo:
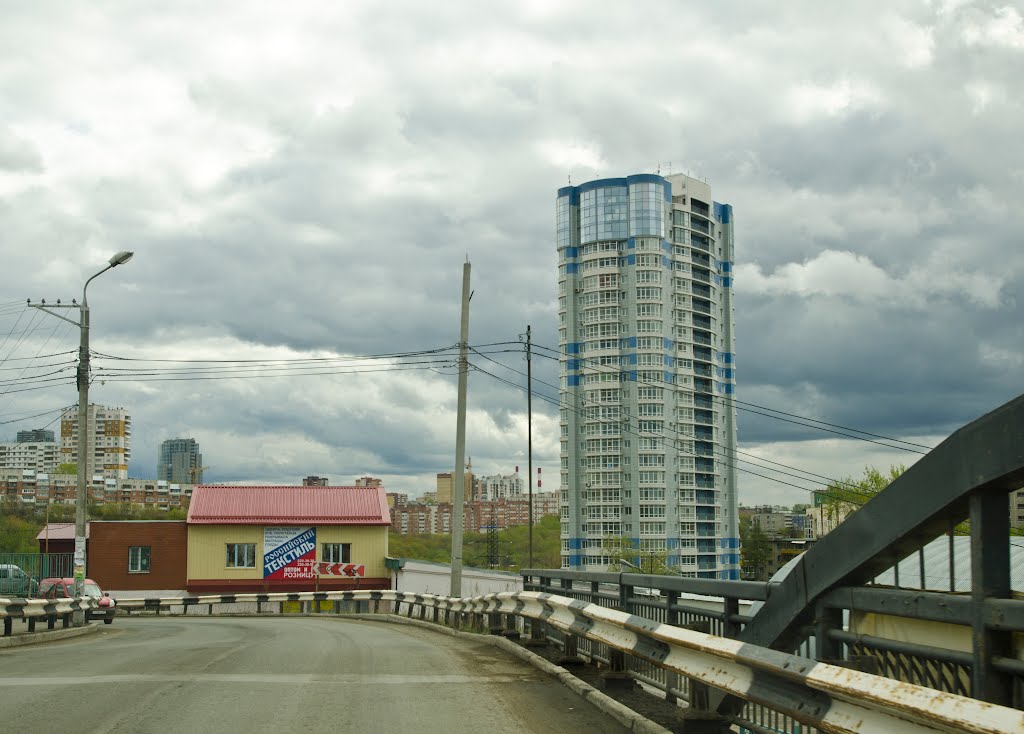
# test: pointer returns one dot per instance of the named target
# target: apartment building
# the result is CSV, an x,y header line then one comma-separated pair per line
x,y
110,440
648,426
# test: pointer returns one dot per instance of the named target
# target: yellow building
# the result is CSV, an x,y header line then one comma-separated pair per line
x,y
268,539
444,487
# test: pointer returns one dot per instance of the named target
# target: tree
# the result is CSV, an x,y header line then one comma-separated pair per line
x,y
755,550
625,556
840,498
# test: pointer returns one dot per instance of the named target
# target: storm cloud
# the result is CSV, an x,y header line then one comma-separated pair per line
x,y
307,182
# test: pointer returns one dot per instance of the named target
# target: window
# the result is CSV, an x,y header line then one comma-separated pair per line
x,y
138,559
336,553
241,555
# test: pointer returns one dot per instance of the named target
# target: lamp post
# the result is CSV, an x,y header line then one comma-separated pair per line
x,y
81,494
82,380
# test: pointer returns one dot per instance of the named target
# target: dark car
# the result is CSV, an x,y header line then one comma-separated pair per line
x,y
65,589
15,582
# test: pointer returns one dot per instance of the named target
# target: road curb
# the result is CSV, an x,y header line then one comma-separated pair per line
x,y
35,638
620,712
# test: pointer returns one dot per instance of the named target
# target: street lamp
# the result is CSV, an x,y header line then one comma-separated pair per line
x,y
81,493
82,379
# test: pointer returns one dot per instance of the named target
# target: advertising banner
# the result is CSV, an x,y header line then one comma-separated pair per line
x,y
289,553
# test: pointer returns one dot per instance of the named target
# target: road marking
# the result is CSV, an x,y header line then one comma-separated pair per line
x,y
397,679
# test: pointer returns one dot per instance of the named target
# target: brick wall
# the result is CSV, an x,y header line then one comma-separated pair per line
x,y
107,562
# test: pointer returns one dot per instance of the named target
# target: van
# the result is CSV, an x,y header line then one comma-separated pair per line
x,y
15,582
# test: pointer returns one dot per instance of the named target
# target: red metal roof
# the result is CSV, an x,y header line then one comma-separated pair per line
x,y
60,531
240,505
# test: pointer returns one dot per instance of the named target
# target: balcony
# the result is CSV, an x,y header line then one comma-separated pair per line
x,y
704,416
700,242
704,291
700,307
701,276
702,322
701,225
702,370
699,207
701,259
705,497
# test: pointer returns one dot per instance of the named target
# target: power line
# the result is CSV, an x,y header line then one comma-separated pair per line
x,y
740,405
665,440
838,482
37,415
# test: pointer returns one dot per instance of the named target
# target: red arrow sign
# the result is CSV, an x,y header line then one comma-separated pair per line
x,y
341,569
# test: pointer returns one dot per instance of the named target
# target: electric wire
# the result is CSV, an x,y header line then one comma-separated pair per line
x,y
740,405
662,439
839,483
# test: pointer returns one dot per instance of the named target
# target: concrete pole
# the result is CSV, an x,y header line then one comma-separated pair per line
x,y
458,480
529,444
81,491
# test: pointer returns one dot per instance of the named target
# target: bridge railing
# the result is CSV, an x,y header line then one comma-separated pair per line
x,y
938,657
784,688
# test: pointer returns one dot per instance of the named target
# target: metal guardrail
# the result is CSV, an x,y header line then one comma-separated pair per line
x,y
819,695
49,609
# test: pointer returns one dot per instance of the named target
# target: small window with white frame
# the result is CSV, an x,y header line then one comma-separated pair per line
x,y
241,555
336,552
138,558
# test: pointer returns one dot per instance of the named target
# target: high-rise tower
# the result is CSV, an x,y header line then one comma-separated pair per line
x,y
648,426
110,440
180,461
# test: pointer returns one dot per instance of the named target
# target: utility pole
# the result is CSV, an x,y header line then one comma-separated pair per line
x,y
82,379
529,443
458,481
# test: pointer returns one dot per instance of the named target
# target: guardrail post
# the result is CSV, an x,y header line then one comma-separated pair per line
x,y
538,634
8,626
51,620
700,717
494,623
570,644
511,630
673,680
617,677
67,620
31,624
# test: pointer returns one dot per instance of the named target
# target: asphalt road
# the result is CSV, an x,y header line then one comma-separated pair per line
x,y
247,674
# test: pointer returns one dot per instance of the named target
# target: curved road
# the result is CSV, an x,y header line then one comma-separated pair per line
x,y
273,674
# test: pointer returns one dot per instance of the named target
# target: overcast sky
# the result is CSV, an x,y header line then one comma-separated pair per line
x,y
306,180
